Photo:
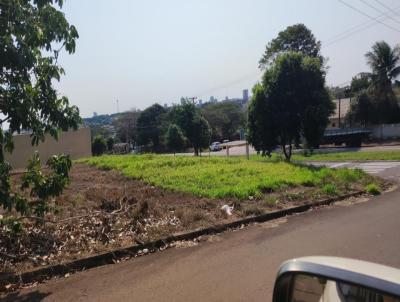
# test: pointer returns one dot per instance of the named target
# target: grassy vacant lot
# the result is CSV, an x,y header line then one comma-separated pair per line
x,y
156,196
235,177
356,155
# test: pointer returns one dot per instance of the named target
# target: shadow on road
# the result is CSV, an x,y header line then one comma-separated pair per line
x,y
35,296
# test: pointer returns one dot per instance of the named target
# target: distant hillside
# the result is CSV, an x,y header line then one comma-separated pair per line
x,y
101,120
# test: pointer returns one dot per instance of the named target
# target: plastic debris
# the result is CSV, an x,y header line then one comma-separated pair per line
x,y
227,209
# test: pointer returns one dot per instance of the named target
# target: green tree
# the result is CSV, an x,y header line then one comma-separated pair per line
x,y
175,139
201,134
32,34
384,62
292,102
110,143
262,131
126,126
194,126
151,126
361,111
360,84
99,145
225,118
296,38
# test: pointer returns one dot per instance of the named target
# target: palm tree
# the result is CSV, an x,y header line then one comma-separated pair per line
x,y
384,62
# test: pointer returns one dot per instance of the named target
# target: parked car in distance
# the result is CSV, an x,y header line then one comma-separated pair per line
x,y
215,146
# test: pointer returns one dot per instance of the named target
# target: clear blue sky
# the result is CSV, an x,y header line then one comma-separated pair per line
x,y
141,52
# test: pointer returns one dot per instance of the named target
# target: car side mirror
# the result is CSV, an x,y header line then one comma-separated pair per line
x,y
323,279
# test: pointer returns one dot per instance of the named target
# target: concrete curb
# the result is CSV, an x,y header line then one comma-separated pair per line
x,y
41,274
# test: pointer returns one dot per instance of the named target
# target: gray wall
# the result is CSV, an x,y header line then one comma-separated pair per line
x,y
385,131
75,143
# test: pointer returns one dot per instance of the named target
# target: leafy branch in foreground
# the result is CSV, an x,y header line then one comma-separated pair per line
x,y
32,35
40,187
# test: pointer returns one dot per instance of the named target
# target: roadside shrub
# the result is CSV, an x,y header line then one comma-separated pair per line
x,y
330,189
373,189
271,201
110,143
99,145
253,211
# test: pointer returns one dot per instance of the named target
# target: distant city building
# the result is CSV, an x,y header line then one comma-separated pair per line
x,y
245,95
94,114
213,99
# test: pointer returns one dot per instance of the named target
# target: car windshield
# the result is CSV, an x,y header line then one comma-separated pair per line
x,y
108,112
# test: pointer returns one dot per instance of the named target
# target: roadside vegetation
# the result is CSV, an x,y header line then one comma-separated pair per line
x,y
234,177
373,189
345,156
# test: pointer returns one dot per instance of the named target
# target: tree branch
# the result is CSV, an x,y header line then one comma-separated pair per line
x,y
4,120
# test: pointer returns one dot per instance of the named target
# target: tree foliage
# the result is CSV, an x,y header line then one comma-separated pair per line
x,y
262,131
378,104
360,84
110,143
292,102
194,126
175,139
295,38
125,126
41,187
361,111
151,126
224,118
32,34
384,62
99,145
44,187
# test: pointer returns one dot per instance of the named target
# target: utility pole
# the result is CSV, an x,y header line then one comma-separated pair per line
x,y
340,101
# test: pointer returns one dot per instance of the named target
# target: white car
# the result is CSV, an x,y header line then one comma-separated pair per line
x,y
215,146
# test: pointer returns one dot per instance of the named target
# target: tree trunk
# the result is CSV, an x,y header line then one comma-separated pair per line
x,y
196,151
287,152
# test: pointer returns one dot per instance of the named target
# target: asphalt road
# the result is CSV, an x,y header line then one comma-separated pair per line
x,y
241,265
241,151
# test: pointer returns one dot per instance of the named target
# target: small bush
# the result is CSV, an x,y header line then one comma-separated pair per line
x,y
99,145
253,211
373,189
330,189
271,201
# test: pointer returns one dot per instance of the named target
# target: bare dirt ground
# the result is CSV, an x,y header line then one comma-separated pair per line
x,y
103,210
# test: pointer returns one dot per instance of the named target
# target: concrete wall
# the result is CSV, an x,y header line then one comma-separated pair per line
x,y
385,131
75,143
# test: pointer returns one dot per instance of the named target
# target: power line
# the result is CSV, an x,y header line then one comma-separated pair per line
x,y
339,37
379,11
355,29
387,7
229,84
368,16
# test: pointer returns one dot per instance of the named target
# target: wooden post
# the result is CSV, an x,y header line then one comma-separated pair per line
x,y
247,150
227,150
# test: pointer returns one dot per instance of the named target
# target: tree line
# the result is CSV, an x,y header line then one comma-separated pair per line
x,y
173,129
